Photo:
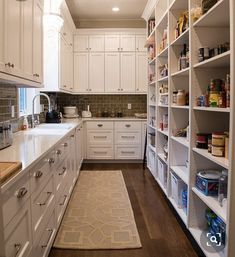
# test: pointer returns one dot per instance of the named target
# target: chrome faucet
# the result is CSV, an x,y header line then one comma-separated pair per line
x,y
49,106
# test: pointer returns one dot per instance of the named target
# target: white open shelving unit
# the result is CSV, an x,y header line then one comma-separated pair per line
x,y
213,28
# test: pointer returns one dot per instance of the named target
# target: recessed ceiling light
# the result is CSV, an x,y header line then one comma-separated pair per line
x,y
115,9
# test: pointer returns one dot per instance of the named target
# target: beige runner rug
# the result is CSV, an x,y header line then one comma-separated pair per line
x,y
99,214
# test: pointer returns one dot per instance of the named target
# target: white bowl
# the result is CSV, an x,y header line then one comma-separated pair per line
x,y
70,110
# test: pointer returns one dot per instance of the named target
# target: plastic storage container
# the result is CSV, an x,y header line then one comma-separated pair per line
x,y
177,187
152,163
162,172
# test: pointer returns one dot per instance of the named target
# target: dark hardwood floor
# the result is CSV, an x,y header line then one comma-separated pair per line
x,y
160,231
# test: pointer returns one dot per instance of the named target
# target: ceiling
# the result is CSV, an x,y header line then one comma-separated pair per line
x,y
102,9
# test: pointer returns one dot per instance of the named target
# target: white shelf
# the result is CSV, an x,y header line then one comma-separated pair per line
x,y
214,17
163,79
180,107
164,52
152,34
152,104
163,22
161,94
161,156
152,61
181,39
212,203
218,61
197,232
152,148
166,133
218,160
181,140
161,185
163,105
211,109
181,73
178,5
182,172
180,211
152,82
152,127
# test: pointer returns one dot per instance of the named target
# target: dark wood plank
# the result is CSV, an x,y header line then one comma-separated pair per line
x,y
160,232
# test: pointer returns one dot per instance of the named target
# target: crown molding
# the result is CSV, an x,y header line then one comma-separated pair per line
x,y
149,8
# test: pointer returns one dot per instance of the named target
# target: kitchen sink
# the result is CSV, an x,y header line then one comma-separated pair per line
x,y
56,126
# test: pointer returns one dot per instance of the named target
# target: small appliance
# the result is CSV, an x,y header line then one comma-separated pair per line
x,y
53,117
70,112
6,136
86,114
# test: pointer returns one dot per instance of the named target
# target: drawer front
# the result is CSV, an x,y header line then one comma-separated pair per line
x,y
127,126
99,125
100,137
40,203
100,152
61,202
15,198
61,151
128,152
124,138
18,238
61,174
43,246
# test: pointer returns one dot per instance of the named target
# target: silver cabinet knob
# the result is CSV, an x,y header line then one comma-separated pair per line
x,y
58,152
51,161
65,144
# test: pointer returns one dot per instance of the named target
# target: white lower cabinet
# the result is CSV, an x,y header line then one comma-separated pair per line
x,y
114,139
33,206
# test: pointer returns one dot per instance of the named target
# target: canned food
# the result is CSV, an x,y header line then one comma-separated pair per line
x,y
218,139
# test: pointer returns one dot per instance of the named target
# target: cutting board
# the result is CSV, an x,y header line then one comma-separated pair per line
x,y
8,169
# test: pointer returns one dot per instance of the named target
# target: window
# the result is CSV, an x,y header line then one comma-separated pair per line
x,y
25,101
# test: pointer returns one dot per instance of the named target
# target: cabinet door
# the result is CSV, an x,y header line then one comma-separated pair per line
x,y
128,72
13,37
81,43
63,65
112,43
128,43
81,72
96,72
141,72
112,72
70,67
38,42
96,43
140,43
2,62
28,39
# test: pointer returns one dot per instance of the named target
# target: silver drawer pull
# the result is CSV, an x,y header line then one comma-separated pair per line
x,y
44,203
58,152
127,152
100,125
38,174
63,171
100,136
21,192
128,125
65,197
51,161
18,247
65,144
72,136
101,152
128,136
51,231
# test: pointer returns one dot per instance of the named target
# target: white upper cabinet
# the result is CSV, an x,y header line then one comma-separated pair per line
x,y
140,43
96,43
96,72
128,72
81,43
13,37
27,38
127,43
141,72
112,43
112,72
81,66
38,42
2,63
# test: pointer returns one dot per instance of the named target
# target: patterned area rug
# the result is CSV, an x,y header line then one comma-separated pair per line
x,y
99,214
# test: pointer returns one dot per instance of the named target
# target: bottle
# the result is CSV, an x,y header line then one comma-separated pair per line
x,y
25,125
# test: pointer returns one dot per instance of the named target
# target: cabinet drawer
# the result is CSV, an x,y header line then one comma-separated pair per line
x,y
128,152
61,151
127,126
101,152
100,137
15,198
42,247
99,125
61,174
17,234
62,198
125,138
40,203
